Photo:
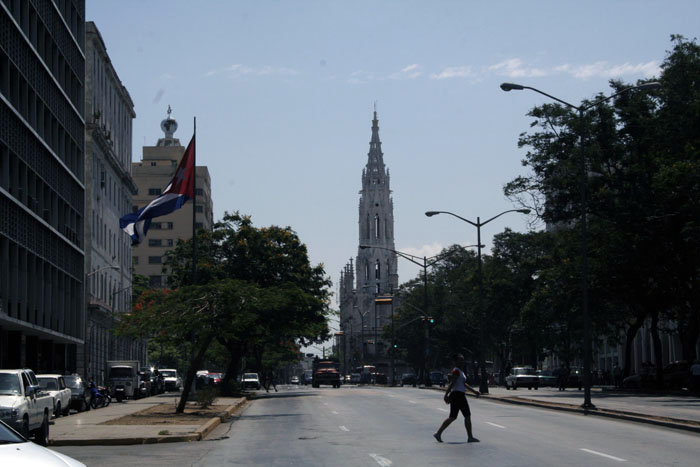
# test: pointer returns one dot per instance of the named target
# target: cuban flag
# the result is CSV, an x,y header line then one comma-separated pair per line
x,y
178,191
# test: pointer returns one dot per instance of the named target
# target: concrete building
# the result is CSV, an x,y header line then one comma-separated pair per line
x,y
42,187
374,272
152,175
109,189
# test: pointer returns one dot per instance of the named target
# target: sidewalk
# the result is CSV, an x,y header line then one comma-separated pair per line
x,y
671,410
87,428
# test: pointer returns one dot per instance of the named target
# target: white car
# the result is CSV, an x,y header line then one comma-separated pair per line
x,y
56,386
17,450
171,380
250,380
522,377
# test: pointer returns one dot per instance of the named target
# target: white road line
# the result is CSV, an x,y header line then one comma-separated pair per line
x,y
325,403
413,402
343,428
444,410
383,461
496,425
604,455
391,395
334,412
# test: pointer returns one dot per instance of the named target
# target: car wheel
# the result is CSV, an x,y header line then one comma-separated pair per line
x,y
515,386
536,388
87,405
57,411
25,427
41,434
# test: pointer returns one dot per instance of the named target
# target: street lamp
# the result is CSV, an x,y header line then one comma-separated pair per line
x,y
424,265
362,330
587,404
483,384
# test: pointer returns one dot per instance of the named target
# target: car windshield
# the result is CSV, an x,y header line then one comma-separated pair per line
x,y
7,436
9,384
524,371
250,376
72,382
120,372
50,384
168,374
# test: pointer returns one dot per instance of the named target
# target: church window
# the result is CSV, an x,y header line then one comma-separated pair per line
x,y
376,226
366,270
376,289
377,271
367,227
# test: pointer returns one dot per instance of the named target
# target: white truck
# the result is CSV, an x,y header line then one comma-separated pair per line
x,y
123,377
24,405
56,387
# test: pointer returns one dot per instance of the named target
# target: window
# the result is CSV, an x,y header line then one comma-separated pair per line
x,y
156,225
377,273
376,226
169,225
198,225
153,164
200,208
154,191
169,242
155,242
199,191
155,260
135,259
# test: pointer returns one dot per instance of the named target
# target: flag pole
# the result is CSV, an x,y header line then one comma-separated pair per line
x,y
194,205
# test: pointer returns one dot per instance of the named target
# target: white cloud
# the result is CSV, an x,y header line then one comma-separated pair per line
x,y
514,68
409,72
361,76
238,70
463,71
425,250
604,69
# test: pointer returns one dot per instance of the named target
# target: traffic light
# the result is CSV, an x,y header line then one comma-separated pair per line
x,y
431,320
396,346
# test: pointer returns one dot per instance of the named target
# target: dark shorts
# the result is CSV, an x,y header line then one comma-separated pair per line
x,y
458,402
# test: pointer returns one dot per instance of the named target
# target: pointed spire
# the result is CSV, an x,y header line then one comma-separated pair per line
x,y
375,143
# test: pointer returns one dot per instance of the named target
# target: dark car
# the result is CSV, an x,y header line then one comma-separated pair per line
x,y
437,378
408,378
144,384
677,375
80,395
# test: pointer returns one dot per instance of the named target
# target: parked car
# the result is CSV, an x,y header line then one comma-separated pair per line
x,y
295,380
677,375
437,378
16,449
522,377
24,405
171,379
355,378
215,378
408,378
144,384
250,380
80,392
308,376
546,378
56,386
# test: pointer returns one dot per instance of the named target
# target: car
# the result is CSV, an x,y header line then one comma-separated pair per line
x,y
215,378
546,378
56,386
520,377
308,376
171,380
409,378
250,380
295,380
15,449
437,378
80,392
355,378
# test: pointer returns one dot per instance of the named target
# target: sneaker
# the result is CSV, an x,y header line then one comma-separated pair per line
x,y
473,440
437,437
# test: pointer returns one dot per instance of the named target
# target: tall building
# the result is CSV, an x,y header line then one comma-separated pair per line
x,y
109,189
375,269
42,188
152,175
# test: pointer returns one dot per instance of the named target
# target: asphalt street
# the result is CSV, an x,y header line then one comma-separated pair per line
x,y
370,426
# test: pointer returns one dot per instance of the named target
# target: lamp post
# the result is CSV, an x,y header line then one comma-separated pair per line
x,y
584,229
424,264
362,331
483,384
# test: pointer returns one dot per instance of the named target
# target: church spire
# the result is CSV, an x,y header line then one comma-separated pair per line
x,y
375,144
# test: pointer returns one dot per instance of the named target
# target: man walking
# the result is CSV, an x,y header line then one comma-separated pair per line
x,y
456,397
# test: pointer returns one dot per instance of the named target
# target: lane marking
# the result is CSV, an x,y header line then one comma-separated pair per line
x,y
413,402
383,461
603,455
342,427
391,395
325,403
444,410
496,425
334,412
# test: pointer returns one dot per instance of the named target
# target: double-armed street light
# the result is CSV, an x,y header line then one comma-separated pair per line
x,y
426,262
484,384
584,246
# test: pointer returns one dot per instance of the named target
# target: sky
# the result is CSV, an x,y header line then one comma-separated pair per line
x,y
283,93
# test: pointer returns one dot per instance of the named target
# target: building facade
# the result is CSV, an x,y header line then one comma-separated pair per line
x,y
152,175
374,272
42,187
109,190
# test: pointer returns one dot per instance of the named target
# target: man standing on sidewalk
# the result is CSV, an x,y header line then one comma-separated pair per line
x,y
455,395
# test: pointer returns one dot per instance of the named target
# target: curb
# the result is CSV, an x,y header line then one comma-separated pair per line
x,y
198,435
667,422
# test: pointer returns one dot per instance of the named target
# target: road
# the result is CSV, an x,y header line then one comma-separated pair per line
x,y
370,426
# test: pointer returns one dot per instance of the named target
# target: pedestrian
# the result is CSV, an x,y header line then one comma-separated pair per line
x,y
456,397
563,378
270,382
617,373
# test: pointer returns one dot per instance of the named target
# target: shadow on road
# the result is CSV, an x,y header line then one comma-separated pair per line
x,y
281,395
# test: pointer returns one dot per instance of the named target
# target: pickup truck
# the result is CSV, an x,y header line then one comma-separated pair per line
x,y
56,387
23,404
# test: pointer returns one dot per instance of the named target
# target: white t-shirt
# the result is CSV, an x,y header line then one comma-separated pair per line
x,y
460,380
